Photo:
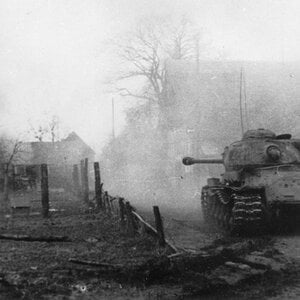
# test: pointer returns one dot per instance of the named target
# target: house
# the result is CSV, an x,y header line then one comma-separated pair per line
x,y
60,157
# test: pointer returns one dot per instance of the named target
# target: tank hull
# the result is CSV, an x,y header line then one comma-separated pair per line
x,y
236,211
252,208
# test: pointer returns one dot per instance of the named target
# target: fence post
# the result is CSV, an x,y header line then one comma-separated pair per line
x,y
107,203
112,205
5,201
14,178
45,190
97,185
159,227
85,182
75,177
122,212
104,204
129,217
81,178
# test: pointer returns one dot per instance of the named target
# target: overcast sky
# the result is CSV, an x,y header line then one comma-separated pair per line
x,y
54,58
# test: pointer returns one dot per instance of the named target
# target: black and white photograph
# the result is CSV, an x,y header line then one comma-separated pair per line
x,y
149,149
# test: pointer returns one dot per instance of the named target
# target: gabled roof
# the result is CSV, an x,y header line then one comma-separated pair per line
x,y
67,151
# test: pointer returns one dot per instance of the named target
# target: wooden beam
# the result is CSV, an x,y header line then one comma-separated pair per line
x,y
159,227
45,190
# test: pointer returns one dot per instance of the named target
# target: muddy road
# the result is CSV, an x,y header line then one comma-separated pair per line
x,y
192,235
289,245
188,232
97,259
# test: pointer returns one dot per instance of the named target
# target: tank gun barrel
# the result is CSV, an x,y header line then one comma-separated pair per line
x,y
190,161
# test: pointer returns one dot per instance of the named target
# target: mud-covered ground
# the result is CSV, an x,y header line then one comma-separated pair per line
x,y
95,259
37,269
188,232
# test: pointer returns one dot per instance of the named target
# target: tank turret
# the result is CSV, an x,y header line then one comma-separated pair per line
x,y
261,179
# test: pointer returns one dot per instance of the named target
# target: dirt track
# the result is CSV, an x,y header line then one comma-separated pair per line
x,y
189,233
289,245
210,264
193,235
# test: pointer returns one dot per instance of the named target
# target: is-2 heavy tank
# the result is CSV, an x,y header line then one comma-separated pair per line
x,y
260,186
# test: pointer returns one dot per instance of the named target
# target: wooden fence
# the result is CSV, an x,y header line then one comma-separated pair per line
x,y
130,221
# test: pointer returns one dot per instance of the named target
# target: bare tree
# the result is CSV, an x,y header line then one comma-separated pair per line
x,y
143,55
47,129
182,40
39,132
53,126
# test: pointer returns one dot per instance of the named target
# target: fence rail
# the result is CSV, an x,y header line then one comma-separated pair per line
x,y
130,221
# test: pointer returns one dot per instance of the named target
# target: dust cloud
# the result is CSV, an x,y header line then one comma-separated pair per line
x,y
179,72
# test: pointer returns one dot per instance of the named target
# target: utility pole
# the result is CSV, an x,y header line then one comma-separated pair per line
x,y
113,117
245,101
282,36
241,108
197,38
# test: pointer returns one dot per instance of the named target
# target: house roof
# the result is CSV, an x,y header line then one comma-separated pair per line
x,y
67,151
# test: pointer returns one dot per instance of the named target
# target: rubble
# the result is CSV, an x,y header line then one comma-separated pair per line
x,y
262,262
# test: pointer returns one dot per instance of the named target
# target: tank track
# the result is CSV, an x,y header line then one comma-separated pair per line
x,y
234,212
247,212
216,207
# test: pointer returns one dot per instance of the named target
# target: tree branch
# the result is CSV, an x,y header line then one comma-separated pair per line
x,y
126,93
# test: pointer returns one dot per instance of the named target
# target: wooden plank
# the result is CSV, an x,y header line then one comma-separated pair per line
x,y
96,264
129,219
21,237
159,227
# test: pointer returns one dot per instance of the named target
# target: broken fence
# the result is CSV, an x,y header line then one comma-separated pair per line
x,y
130,221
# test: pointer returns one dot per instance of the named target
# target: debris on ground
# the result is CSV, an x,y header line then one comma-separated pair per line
x,y
78,255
